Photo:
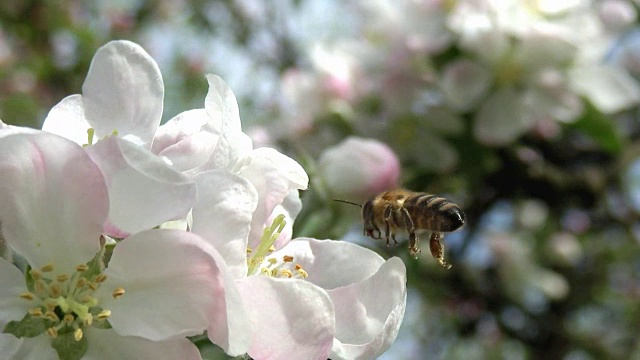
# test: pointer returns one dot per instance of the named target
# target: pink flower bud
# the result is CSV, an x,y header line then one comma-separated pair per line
x,y
358,168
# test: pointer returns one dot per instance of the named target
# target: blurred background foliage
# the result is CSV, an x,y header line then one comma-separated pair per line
x,y
525,113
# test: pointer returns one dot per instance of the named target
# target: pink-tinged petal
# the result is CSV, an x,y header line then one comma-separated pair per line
x,y
188,140
124,92
67,120
106,344
332,264
369,313
53,200
220,103
12,307
292,319
222,215
38,347
144,191
174,286
273,175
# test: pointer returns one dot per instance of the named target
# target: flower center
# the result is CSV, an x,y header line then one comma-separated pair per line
x,y
61,305
260,261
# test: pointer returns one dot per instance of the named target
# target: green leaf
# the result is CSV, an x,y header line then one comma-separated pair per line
x,y
27,327
600,128
68,348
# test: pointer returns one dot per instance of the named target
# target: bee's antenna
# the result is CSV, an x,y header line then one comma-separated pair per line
x,y
348,202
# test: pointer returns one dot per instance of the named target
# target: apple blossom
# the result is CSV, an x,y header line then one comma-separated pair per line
x,y
305,298
158,286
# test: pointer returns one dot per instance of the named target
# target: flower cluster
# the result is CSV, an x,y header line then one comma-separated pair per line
x,y
132,236
505,68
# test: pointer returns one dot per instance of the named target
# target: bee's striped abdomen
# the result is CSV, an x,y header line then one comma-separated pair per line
x,y
431,212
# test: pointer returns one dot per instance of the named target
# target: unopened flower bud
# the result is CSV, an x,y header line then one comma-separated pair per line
x,y
358,168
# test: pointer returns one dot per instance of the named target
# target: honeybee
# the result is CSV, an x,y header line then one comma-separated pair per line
x,y
402,210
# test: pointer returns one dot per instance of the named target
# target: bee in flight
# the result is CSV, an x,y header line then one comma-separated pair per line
x,y
402,210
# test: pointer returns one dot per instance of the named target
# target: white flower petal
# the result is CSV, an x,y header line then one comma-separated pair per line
x,y
67,119
232,153
12,307
501,119
38,347
173,285
106,344
331,263
292,319
608,87
144,191
53,200
188,140
221,103
124,91
289,168
368,319
273,176
290,208
464,82
222,215
9,345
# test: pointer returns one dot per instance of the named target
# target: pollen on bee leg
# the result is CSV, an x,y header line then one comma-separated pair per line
x,y
437,249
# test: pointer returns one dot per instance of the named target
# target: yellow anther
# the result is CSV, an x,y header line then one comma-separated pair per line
x,y
100,278
88,320
40,287
82,268
249,250
82,282
287,258
68,318
55,290
77,335
36,312
93,286
36,274
104,314
302,273
52,332
273,272
47,268
62,278
286,272
118,292
51,315
272,248
272,261
27,295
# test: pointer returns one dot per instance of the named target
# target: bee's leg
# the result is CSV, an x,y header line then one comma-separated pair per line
x,y
437,249
387,217
414,249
